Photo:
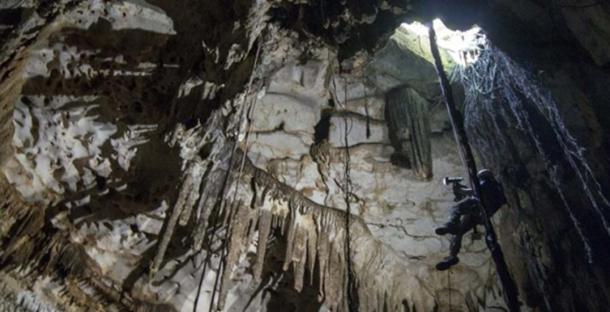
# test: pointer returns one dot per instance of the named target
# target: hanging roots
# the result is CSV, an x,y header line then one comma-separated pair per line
x,y
500,91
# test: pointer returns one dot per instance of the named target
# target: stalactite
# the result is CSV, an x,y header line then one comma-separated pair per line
x,y
185,193
193,196
236,246
315,237
264,227
13,209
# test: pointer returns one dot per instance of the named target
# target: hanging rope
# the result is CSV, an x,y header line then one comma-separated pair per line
x,y
449,287
366,104
245,113
347,192
352,304
248,115
510,289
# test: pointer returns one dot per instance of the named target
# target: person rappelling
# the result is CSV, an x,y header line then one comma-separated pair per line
x,y
466,214
509,287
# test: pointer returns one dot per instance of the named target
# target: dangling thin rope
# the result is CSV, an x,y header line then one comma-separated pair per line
x,y
449,288
366,105
249,109
351,302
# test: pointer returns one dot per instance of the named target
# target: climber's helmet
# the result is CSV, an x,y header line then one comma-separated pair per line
x,y
486,175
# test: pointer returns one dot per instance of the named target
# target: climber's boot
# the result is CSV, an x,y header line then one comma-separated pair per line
x,y
447,263
448,228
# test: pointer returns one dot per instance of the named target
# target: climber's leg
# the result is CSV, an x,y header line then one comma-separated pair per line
x,y
451,260
455,246
467,206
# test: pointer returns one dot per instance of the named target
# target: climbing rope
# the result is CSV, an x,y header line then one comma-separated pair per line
x,y
366,104
347,192
449,288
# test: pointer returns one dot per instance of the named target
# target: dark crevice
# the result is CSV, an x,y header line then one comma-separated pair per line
x,y
322,129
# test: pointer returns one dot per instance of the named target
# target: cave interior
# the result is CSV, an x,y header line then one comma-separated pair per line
x,y
283,155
